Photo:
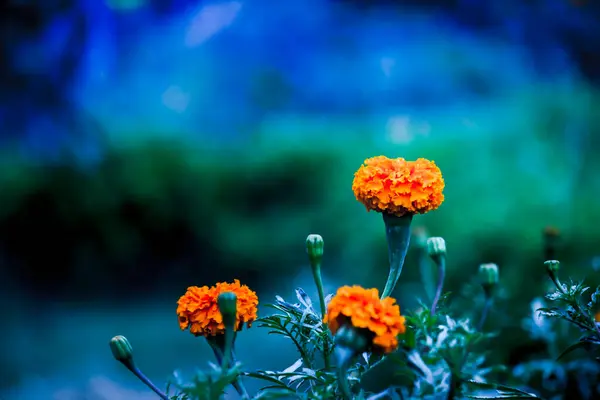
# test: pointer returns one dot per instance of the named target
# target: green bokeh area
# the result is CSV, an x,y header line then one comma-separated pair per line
x,y
157,215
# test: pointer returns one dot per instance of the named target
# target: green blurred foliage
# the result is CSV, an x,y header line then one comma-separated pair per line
x,y
158,212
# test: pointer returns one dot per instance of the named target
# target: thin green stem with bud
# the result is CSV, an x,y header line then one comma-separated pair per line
x,y
123,352
221,359
223,345
140,375
316,269
557,283
487,306
441,264
314,249
397,231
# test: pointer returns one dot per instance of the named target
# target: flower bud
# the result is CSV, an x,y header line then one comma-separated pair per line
x,y
552,266
488,274
436,246
227,302
121,349
314,247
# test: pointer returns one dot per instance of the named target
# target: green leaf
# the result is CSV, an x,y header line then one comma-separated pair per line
x,y
514,397
265,376
508,391
409,338
571,348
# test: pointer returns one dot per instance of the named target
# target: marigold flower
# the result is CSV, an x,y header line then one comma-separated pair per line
x,y
551,231
364,310
399,187
198,308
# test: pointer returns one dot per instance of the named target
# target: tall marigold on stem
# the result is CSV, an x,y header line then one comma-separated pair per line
x,y
217,313
398,189
361,321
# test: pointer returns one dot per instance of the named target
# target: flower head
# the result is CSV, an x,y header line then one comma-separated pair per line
x,y
198,308
399,187
436,246
551,231
121,348
362,308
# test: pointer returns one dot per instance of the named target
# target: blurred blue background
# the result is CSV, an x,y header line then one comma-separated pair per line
x,y
149,145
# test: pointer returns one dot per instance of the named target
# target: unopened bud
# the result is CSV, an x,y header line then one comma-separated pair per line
x,y
488,274
227,302
436,246
121,349
314,247
552,266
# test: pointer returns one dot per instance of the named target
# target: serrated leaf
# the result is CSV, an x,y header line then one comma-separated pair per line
x,y
304,298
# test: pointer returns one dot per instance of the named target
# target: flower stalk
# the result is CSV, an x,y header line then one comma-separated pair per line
x,y
397,231
419,243
349,343
436,248
314,249
123,352
222,345
551,237
489,277
552,267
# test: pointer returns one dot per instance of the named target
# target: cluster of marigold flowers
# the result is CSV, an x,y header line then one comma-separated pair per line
x,y
393,186
379,319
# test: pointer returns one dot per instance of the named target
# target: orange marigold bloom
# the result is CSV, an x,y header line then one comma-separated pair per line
x,y
399,187
363,309
198,310
551,231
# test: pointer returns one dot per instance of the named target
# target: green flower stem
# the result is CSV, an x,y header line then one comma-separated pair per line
x,y
316,270
218,344
454,385
441,264
557,283
426,272
140,375
397,231
489,302
344,356
228,348
238,384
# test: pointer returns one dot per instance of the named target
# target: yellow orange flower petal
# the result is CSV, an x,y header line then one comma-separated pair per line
x,y
362,308
198,310
399,187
